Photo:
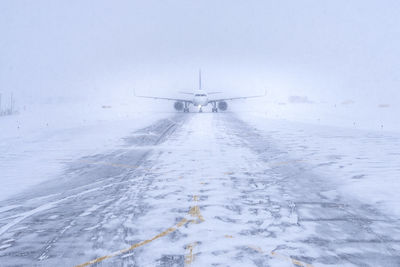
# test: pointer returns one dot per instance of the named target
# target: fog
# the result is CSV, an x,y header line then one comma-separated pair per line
x,y
307,175
334,52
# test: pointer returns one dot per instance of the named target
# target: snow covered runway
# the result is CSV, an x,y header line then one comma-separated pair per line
x,y
194,190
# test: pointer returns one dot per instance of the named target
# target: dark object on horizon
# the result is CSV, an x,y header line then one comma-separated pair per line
x,y
11,109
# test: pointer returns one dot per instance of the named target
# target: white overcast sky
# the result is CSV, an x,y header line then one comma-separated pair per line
x,y
327,50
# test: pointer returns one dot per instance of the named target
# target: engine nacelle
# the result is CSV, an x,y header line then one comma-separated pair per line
x,y
178,106
222,105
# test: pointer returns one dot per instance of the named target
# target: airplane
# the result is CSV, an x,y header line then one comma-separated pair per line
x,y
200,99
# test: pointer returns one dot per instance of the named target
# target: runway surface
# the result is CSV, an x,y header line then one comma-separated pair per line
x,y
194,190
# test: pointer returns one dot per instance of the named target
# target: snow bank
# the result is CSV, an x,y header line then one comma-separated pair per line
x,y
373,115
364,164
35,145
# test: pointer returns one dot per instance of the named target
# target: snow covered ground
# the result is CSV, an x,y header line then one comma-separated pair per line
x,y
364,164
202,190
306,176
36,144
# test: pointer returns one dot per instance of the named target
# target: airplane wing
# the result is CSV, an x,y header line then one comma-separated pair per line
x,y
235,98
213,93
164,98
186,93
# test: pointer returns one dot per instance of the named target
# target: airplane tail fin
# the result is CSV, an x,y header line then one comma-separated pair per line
x,y
200,79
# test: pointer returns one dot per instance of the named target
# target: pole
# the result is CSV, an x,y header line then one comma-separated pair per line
x,y
11,104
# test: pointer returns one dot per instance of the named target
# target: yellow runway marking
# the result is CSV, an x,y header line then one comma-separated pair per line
x,y
166,232
194,212
294,261
189,258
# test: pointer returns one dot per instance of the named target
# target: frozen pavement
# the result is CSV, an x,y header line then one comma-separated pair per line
x,y
195,190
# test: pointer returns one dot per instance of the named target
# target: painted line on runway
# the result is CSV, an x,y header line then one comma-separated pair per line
x,y
164,233
282,256
189,257
294,261
194,212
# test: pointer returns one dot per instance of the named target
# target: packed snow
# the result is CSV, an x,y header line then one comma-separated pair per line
x,y
36,144
364,164
307,176
206,189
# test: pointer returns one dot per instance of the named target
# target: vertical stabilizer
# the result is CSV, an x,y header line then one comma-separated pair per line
x,y
199,79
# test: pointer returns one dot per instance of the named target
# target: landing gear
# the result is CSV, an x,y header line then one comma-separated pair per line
x,y
200,110
214,109
186,108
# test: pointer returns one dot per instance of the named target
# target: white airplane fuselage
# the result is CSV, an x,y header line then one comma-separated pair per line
x,y
200,98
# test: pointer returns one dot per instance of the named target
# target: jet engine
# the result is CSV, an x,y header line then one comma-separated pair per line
x,y
178,106
222,105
